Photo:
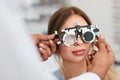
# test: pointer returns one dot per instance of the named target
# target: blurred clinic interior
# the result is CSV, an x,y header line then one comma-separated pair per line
x,y
35,15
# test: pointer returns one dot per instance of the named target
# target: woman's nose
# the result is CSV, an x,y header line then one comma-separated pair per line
x,y
79,41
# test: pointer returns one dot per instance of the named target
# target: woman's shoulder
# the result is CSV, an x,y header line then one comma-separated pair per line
x,y
58,74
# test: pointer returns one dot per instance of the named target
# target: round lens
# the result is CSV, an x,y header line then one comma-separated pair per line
x,y
69,40
88,36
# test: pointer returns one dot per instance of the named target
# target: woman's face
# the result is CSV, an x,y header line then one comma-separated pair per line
x,y
78,51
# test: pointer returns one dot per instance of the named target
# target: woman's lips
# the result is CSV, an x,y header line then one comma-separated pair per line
x,y
79,52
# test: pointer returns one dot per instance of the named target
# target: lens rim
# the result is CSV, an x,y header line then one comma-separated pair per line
x,y
64,39
90,41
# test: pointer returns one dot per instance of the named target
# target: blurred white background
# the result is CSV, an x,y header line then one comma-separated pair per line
x,y
104,13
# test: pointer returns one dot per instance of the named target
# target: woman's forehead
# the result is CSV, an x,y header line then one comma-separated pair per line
x,y
73,20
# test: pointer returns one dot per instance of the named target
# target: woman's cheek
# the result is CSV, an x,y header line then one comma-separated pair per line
x,y
64,49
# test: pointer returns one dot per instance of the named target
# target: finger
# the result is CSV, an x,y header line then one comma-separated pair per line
x,y
34,37
109,50
46,48
108,47
56,40
43,54
44,42
101,44
93,52
90,57
52,46
46,37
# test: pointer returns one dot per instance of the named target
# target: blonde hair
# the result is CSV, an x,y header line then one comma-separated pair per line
x,y
112,74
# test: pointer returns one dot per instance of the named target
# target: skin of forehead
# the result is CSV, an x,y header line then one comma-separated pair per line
x,y
72,20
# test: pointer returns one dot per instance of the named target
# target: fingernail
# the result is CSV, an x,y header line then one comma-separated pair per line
x,y
102,37
41,45
41,49
50,41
